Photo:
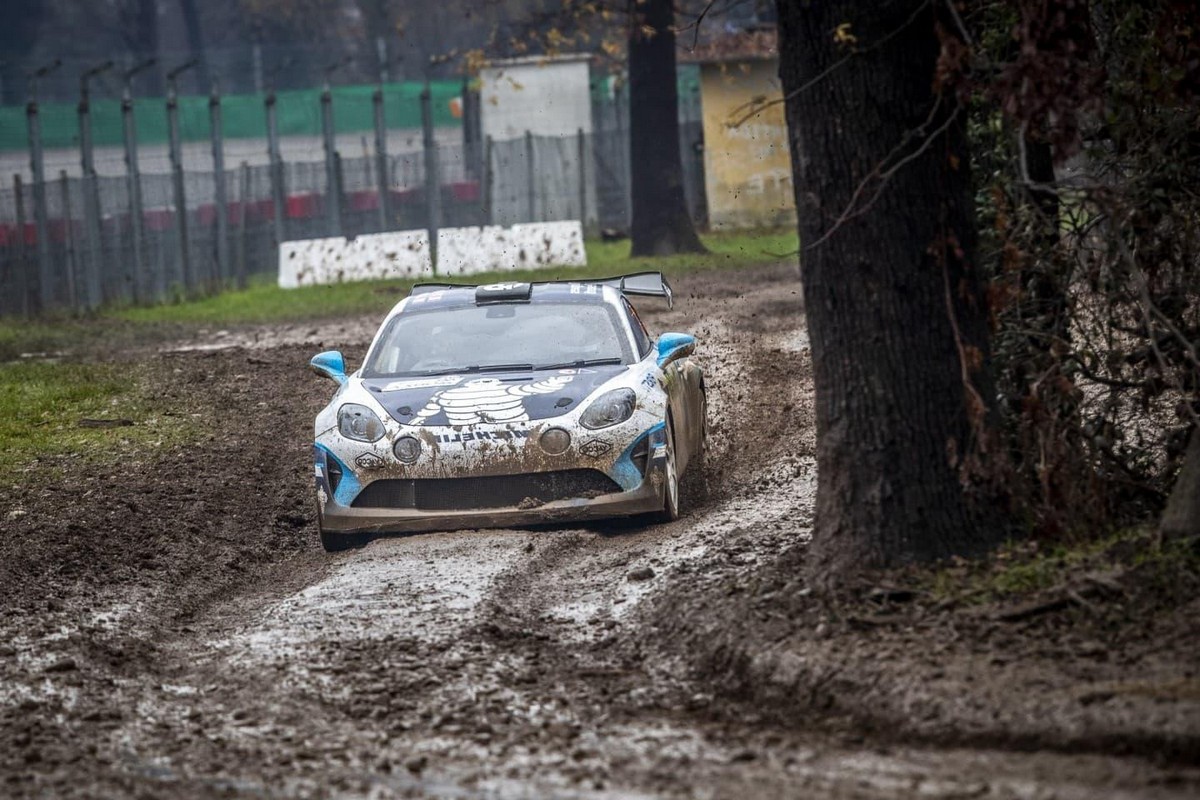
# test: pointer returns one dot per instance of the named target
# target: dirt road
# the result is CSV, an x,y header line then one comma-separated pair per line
x,y
171,629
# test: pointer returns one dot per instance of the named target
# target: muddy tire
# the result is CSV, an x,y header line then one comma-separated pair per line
x,y
695,482
671,501
337,542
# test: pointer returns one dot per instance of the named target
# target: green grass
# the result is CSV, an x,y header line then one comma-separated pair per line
x,y
41,404
1023,569
264,302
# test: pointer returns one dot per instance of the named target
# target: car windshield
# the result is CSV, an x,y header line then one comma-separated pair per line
x,y
498,337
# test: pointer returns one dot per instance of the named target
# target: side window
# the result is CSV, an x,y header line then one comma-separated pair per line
x,y
640,334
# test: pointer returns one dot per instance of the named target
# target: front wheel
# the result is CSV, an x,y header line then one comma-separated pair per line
x,y
670,510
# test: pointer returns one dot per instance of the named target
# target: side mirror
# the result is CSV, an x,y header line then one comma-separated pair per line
x,y
330,364
674,346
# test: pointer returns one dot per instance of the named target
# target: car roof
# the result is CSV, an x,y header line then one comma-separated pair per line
x,y
434,297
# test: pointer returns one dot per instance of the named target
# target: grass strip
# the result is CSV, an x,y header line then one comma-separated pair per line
x,y
90,411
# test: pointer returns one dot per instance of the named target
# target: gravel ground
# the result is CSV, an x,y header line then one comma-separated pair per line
x,y
171,628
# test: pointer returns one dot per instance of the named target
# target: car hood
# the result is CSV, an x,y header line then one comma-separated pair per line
x,y
490,397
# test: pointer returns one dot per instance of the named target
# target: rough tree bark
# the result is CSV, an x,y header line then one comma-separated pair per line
x,y
661,224
892,294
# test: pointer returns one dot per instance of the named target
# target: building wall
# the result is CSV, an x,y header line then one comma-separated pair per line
x,y
748,170
549,97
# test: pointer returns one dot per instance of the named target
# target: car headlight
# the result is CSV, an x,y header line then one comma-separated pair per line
x,y
359,423
609,409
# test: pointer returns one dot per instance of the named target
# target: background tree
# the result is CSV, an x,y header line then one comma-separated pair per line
x,y
661,224
892,287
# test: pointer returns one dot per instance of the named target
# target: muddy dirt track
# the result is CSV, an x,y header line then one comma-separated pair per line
x,y
172,629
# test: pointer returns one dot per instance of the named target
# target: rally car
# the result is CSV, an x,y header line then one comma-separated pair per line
x,y
506,405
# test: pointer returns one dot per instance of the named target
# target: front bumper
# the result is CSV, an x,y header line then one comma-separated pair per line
x,y
646,497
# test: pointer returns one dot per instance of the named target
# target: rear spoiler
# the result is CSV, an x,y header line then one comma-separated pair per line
x,y
639,284
644,284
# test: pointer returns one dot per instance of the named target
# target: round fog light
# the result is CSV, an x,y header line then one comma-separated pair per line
x,y
407,449
555,441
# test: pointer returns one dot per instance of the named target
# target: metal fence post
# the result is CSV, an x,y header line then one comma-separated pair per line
x,y
276,166
37,163
581,154
381,158
94,263
470,129
433,186
222,197
530,179
137,279
243,198
176,152
333,199
489,180
64,186
24,285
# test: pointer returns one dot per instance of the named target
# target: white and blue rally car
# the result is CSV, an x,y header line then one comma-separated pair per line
x,y
509,404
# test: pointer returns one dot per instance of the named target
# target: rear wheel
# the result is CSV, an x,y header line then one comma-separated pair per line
x,y
670,510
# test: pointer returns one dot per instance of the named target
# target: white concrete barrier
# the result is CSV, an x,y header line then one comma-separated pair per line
x,y
405,254
400,254
468,251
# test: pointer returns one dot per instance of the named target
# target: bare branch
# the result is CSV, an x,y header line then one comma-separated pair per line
x,y
883,177
759,106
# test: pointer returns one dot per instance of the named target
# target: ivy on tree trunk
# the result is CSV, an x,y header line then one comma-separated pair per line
x,y
661,224
891,287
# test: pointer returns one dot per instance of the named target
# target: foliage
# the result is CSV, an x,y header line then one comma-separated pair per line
x,y
1095,263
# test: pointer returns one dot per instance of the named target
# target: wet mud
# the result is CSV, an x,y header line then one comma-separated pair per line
x,y
172,629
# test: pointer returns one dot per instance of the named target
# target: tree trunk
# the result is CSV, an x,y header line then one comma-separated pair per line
x,y
892,294
661,224
1182,517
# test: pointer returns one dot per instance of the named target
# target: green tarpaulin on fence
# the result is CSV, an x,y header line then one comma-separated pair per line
x,y
244,116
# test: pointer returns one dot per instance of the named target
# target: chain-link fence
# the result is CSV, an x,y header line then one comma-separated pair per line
x,y
75,243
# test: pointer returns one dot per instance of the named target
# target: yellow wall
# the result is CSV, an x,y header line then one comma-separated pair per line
x,y
748,170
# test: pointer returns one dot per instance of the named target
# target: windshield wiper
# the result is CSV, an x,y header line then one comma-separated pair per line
x,y
583,362
500,367
425,373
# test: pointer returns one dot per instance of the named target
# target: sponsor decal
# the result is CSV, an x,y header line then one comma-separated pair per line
x,y
585,288
648,381
500,287
320,471
595,448
487,400
422,383
322,498
369,461
428,297
660,451
482,436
